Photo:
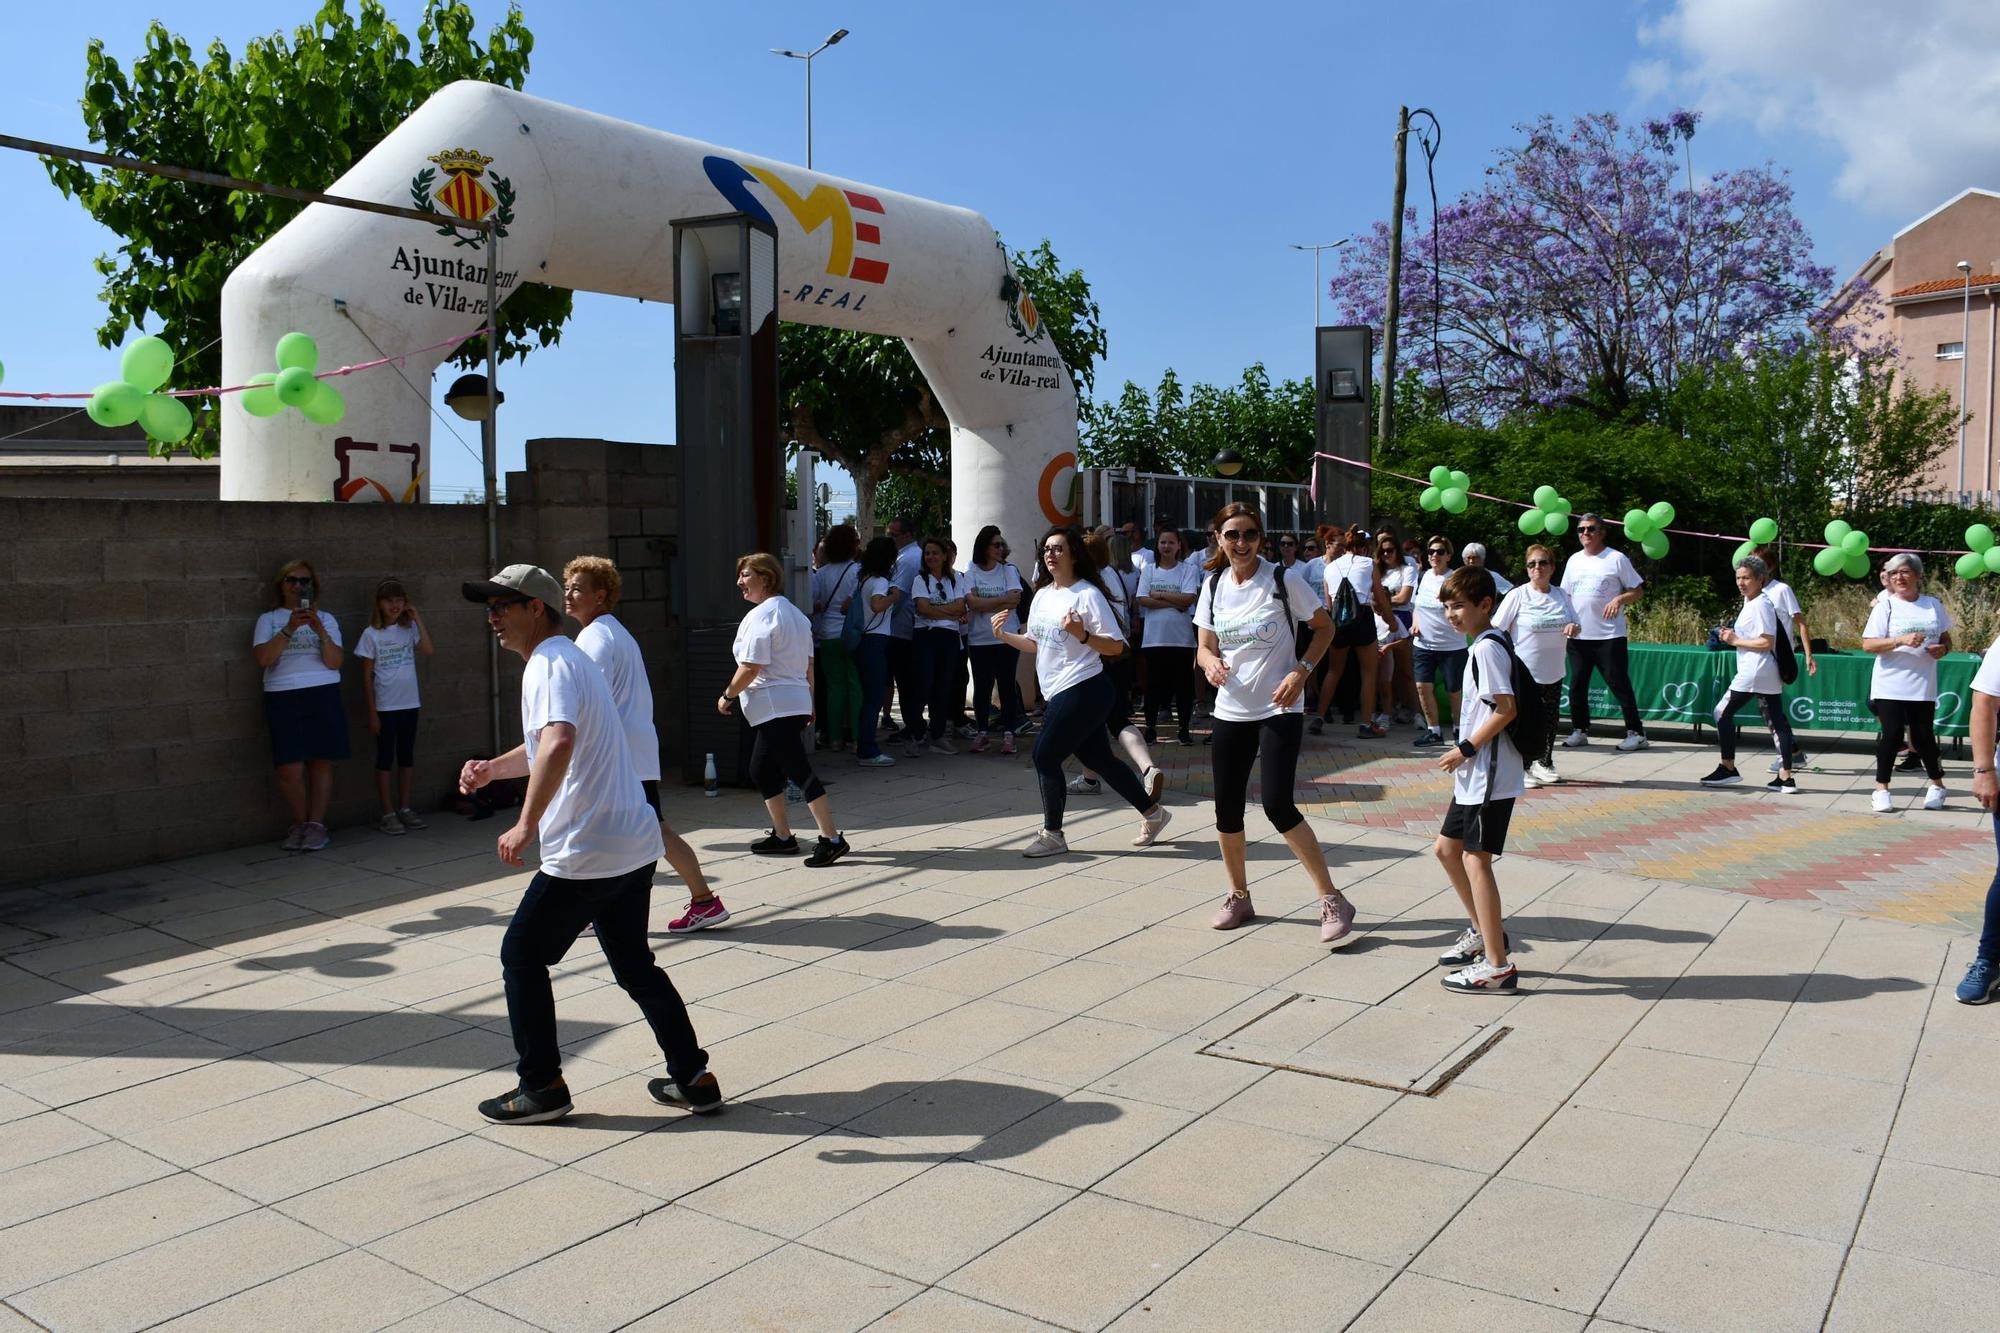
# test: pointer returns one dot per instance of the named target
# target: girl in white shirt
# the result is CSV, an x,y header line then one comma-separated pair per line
x,y
835,584
388,650
1908,631
1167,591
1246,619
1356,568
1070,631
993,585
879,596
940,593
1394,647
1755,639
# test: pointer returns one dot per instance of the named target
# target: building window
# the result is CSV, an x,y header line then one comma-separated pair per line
x,y
1951,352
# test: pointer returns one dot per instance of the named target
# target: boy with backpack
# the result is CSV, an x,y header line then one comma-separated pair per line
x,y
1500,703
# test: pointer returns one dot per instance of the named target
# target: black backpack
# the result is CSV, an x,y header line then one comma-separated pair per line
x,y
1781,647
1529,725
1353,623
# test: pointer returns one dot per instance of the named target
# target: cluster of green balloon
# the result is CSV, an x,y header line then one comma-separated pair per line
x,y
1846,552
1648,527
1983,558
1550,514
144,367
1450,490
293,384
1762,533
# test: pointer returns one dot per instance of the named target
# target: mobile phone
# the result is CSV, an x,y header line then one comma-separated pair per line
x,y
305,603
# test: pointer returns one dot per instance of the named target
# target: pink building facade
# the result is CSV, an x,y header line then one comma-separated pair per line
x,y
1945,321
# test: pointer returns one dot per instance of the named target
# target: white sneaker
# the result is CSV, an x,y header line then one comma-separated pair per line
x,y
1883,805
1081,785
1576,740
1633,741
1046,843
1150,826
1544,773
1528,778
1934,797
1155,781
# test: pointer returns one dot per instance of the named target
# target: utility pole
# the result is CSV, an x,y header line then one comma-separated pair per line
x,y
1386,421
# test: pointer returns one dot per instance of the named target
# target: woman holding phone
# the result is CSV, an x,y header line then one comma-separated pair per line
x,y
298,646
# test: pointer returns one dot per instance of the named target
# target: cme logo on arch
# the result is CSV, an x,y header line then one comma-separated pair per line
x,y
849,241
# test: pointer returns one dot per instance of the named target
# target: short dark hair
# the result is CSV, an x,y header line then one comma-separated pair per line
x,y
1471,584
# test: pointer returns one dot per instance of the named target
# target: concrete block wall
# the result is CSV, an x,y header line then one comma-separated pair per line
x,y
131,722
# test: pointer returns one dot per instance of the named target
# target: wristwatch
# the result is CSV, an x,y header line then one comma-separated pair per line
x,y
1305,666
1468,749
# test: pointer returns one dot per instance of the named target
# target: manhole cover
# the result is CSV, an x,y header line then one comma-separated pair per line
x,y
1403,1050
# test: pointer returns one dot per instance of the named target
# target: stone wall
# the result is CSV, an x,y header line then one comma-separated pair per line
x,y
131,722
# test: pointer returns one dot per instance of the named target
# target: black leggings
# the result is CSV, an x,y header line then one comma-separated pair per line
x,y
1237,746
1073,724
397,740
937,680
1169,680
1552,698
1773,708
993,664
1613,658
778,752
1896,716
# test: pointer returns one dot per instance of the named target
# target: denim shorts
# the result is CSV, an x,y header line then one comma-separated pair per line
x,y
1429,661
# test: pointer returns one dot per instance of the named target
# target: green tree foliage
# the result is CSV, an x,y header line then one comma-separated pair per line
x,y
1172,430
859,399
294,111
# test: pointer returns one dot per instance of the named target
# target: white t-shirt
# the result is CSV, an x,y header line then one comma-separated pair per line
x,y
1314,571
1986,680
598,824
832,588
1591,582
1434,631
1757,673
1168,628
909,560
776,636
1534,621
879,622
1906,673
299,666
938,590
1502,585
1393,582
1787,602
1494,773
394,652
609,644
1358,570
1257,644
1143,560
998,581
1060,661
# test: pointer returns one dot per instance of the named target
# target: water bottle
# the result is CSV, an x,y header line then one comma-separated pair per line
x,y
710,786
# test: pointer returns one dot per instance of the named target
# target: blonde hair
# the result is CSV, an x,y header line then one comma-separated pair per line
x,y
766,567
388,588
1529,554
603,576
278,581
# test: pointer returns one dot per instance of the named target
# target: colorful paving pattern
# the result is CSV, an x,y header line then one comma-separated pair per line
x,y
1913,868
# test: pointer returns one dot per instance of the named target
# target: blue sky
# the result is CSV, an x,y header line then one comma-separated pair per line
x,y
1172,151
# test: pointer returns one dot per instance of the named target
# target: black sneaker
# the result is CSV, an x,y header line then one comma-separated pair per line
x,y
521,1107
1316,724
1428,740
773,845
828,850
1186,737
1909,763
700,1094
1783,786
1722,777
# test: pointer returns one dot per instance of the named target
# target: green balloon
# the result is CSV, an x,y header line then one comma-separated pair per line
x,y
1546,497
1454,500
114,404
1555,525
1430,500
1979,537
146,364
1856,564
1828,560
1990,557
297,350
1655,545
1971,565
1637,524
1561,506
1531,523
1854,541
260,399
165,419
1746,549
1764,530
1836,532
325,407
295,385
1662,514
1440,475
3,373
1459,481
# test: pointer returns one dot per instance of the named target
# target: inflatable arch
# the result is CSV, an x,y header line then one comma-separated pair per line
x,y
586,202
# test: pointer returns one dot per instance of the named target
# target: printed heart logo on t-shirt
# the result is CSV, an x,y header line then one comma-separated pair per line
x,y
1267,632
1680,695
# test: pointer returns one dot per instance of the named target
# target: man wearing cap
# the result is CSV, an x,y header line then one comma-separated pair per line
x,y
600,842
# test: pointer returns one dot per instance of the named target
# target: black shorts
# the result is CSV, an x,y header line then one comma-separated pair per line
x,y
1482,828
652,789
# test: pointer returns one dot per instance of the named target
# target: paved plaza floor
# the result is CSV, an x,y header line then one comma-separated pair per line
x,y
969,1091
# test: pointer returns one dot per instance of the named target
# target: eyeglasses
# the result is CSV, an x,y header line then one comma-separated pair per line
x,y
1286,541
1587,531
499,607
1056,548
1540,564
1440,550
1240,534
299,580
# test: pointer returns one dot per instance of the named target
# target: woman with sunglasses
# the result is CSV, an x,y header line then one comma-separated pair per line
x,y
1069,634
1394,680
993,586
1540,619
298,647
1908,631
1245,617
1440,649
1167,590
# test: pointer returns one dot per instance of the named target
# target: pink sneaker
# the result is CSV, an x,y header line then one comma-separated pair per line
x,y
699,916
1234,912
1007,743
1336,921
979,743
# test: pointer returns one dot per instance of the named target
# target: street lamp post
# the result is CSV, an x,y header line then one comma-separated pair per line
x,y
1964,357
807,56
1330,245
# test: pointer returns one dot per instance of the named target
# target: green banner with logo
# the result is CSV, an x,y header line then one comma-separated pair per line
x,y
1676,684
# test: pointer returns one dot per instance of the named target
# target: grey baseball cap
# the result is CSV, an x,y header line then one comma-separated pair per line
x,y
519,581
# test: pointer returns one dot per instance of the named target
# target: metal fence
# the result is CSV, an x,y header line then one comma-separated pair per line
x,y
1156,499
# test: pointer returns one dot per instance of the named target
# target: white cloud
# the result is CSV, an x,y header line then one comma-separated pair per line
x,y
1909,94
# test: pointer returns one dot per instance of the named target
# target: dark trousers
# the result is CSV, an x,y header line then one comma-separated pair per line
x,y
937,672
1552,697
1613,658
396,742
993,666
1239,745
778,752
1914,716
872,657
1169,682
553,912
1073,724
1989,936
1773,708
903,669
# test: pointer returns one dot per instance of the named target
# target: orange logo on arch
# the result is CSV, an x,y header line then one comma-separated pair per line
x,y
1045,492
